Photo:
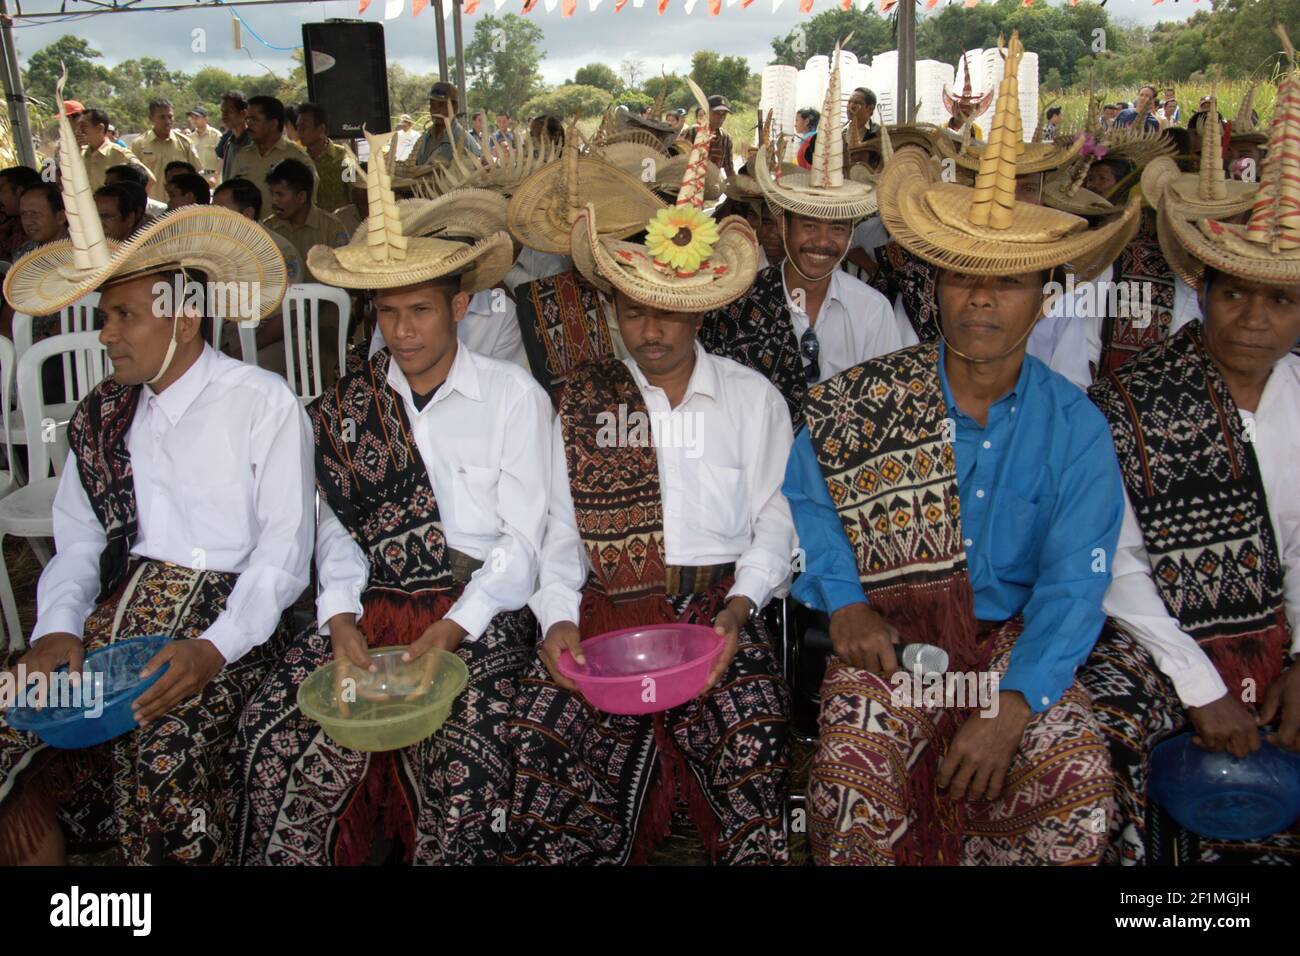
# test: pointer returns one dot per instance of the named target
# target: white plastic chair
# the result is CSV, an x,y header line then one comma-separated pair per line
x,y
78,317
9,480
28,511
247,340
305,366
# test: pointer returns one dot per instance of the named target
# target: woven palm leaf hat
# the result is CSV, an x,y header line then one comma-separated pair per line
x,y
823,192
390,251
544,207
1266,248
983,230
1245,129
972,105
689,263
224,245
1207,193
504,170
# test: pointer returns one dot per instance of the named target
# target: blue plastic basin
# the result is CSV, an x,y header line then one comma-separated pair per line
x,y
1224,797
118,666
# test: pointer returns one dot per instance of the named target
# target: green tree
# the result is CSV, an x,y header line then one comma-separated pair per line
x,y
502,61
572,99
87,80
872,34
728,75
1239,34
599,75
407,92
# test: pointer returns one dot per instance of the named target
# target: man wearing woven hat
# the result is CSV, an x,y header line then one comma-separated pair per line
x,y
677,518
1138,300
433,467
958,494
839,321
1205,602
184,510
435,143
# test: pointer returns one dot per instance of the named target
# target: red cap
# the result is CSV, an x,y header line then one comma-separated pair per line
x,y
72,107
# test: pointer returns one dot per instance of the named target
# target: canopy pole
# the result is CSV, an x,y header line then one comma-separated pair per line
x,y
459,38
441,27
15,95
905,96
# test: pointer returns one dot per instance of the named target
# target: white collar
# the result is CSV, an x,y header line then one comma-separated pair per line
x,y
704,377
463,378
174,401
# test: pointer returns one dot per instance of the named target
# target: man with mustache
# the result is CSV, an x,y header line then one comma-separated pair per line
x,y
680,521
184,510
1205,602
960,494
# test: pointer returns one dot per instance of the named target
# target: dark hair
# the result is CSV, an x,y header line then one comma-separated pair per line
x,y
294,173
503,112
97,117
20,177
271,108
53,194
131,199
1112,106
178,164
245,193
554,127
315,111
128,173
1053,111
291,114
159,104
195,185
811,117
867,95
1180,137
235,98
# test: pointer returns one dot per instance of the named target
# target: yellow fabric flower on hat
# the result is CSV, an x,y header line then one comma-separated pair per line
x,y
681,237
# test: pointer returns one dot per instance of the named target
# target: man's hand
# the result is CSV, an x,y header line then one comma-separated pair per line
x,y
193,664
864,639
562,636
976,765
445,634
1225,724
728,624
1283,696
46,656
350,650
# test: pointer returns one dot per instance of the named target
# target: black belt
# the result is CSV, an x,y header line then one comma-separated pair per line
x,y
694,579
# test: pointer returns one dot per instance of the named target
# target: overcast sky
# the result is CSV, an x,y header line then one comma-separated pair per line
x,y
602,36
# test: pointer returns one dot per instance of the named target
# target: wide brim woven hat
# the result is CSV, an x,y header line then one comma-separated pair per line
x,y
669,172
689,263
983,230
504,170
464,212
1266,248
633,158
822,192
1031,158
388,251
224,245
543,208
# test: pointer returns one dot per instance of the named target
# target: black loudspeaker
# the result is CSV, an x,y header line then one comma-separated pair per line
x,y
347,74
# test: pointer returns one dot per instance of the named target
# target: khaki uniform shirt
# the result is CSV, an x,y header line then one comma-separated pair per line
x,y
321,229
155,154
206,144
335,188
99,161
249,163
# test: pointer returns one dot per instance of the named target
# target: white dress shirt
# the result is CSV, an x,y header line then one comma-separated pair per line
x,y
533,265
722,454
855,323
1132,597
1068,338
490,328
222,464
484,438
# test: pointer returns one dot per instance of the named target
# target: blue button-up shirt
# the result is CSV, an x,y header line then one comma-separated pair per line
x,y
1041,507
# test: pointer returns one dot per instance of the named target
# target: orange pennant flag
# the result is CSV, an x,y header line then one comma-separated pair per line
x,y
417,6
528,5
715,7
972,3
364,4
619,5
846,5
929,4
805,6
663,5
471,7
887,5
568,6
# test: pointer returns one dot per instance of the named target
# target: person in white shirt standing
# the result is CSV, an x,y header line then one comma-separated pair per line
x,y
839,321
1205,597
433,466
183,510
674,515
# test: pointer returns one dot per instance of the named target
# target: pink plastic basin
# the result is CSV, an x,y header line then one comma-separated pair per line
x,y
643,670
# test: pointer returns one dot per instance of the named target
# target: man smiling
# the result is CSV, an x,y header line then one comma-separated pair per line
x,y
960,494
183,510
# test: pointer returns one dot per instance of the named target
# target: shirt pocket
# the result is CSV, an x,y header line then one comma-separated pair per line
x,y
1017,530
723,501
474,500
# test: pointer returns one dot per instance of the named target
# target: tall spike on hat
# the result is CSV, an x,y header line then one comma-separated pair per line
x,y
89,247
995,184
384,238
657,111
828,152
886,145
692,191
1212,183
1275,217
1245,120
